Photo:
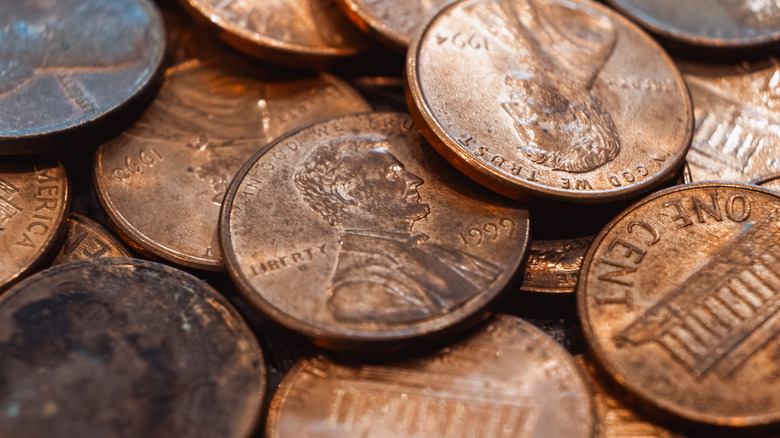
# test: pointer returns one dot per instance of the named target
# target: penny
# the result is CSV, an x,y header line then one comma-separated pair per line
x,y
507,380
543,97
354,233
678,299
300,33
393,22
552,266
34,202
71,65
121,348
769,182
87,239
737,121
718,24
162,181
185,40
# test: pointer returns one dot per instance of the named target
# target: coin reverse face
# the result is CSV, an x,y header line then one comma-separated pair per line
x,y
87,239
125,348
553,98
507,380
354,233
66,65
678,302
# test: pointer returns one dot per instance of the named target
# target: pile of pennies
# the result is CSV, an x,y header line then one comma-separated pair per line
x,y
246,218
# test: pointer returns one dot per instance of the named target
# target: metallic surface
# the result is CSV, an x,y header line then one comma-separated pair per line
x,y
125,348
162,181
66,65
560,99
769,182
507,380
553,266
356,234
87,239
34,202
679,300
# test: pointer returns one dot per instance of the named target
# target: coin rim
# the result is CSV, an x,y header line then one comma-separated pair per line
x,y
374,27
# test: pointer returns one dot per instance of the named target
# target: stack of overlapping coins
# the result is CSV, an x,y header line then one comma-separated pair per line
x,y
256,218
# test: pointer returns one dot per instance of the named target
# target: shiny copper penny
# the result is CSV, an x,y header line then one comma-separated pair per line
x,y
553,98
679,300
162,181
185,39
394,22
719,24
301,33
68,65
125,348
737,109
87,239
356,234
34,202
553,266
507,380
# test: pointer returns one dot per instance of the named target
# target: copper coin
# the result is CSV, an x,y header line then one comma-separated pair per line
x,y
678,299
354,233
301,33
553,266
507,380
163,180
719,24
125,348
34,202
185,39
394,22
561,99
87,239
67,65
769,182
737,135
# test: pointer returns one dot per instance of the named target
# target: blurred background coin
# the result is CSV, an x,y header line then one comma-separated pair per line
x,y
87,239
769,182
552,266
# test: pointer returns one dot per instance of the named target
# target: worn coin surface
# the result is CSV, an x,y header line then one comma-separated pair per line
x,y
356,234
87,239
553,266
737,107
163,180
34,202
679,300
507,380
710,23
544,97
769,182
302,33
125,348
66,65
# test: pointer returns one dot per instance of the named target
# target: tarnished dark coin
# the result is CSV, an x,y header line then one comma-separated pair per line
x,y
301,33
34,202
507,380
679,300
354,233
163,180
553,266
718,24
543,97
87,239
69,65
125,348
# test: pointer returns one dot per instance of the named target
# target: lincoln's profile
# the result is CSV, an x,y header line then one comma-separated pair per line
x,y
384,272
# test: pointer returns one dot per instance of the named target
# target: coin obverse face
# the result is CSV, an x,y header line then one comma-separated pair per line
x,y
507,380
679,300
68,64
125,348
87,239
356,234
556,98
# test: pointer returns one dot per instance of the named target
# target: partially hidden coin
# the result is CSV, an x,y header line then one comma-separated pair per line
x,y
125,348
679,300
34,202
356,234
769,182
507,380
300,33
87,239
559,99
71,65
185,39
552,266
163,180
